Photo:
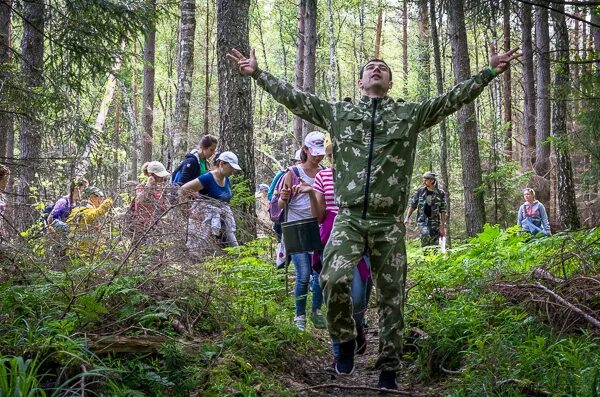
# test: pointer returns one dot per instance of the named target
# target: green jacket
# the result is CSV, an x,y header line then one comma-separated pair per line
x,y
374,140
437,204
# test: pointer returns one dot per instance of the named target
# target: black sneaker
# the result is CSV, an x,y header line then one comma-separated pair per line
x,y
345,363
387,380
361,341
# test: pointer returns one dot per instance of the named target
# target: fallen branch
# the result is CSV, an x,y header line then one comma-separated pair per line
x,y
134,344
594,321
338,386
543,274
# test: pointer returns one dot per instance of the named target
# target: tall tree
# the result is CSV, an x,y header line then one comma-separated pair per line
x,y
467,123
299,73
405,46
185,69
32,67
423,52
6,118
528,158
439,83
506,80
235,99
564,172
378,30
542,125
310,54
148,89
332,62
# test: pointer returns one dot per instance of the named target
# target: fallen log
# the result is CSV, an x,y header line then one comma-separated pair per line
x,y
136,344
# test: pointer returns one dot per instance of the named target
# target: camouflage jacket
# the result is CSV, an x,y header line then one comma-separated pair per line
x,y
436,201
374,140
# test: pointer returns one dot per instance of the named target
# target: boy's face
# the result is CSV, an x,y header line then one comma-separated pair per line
x,y
376,74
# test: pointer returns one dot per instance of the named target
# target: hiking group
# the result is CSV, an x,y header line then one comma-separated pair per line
x,y
359,202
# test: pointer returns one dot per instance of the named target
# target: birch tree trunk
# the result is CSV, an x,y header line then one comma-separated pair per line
x,y
528,158
148,90
507,89
310,55
185,69
439,80
299,75
542,127
6,117
32,67
562,82
467,124
332,63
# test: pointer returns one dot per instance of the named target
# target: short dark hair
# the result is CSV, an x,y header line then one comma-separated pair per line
x,y
360,72
207,141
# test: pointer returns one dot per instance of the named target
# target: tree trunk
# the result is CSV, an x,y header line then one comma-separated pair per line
x,y
405,46
299,76
207,68
507,89
564,171
117,143
6,117
467,124
148,90
439,79
595,32
310,55
528,158
423,64
378,31
362,28
32,65
185,69
332,63
132,118
542,127
235,97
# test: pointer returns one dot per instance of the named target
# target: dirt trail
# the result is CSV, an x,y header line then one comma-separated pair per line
x,y
312,379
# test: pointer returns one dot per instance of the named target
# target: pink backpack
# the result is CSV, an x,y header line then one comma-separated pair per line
x,y
275,212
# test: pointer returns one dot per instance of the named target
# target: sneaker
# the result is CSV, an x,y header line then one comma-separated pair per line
x,y
387,380
345,362
316,317
361,341
300,322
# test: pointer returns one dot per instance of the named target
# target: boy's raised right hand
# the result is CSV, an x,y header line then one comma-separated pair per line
x,y
246,66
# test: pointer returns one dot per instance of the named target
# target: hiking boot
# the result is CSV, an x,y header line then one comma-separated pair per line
x,y
345,362
300,322
361,341
387,380
316,317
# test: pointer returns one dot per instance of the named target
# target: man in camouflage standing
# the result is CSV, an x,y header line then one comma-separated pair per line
x,y
374,150
430,203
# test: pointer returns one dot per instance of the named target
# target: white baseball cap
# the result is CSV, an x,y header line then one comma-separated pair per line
x,y
156,168
231,159
315,142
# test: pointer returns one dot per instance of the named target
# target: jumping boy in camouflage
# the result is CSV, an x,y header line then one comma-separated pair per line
x,y
374,149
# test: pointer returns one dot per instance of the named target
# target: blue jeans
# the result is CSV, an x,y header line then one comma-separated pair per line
x,y
531,227
303,264
360,291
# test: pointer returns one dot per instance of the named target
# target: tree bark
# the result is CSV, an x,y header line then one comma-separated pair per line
x,y
6,117
507,89
235,99
185,69
148,90
467,124
405,47
439,79
32,67
564,171
207,69
423,64
595,32
542,43
528,158
378,31
332,63
299,75
310,55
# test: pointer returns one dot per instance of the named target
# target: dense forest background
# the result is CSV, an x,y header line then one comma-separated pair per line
x,y
96,88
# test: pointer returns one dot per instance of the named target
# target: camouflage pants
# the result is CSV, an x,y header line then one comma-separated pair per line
x,y
385,239
430,233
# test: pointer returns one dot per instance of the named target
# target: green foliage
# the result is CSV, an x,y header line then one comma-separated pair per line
x,y
495,347
243,194
19,377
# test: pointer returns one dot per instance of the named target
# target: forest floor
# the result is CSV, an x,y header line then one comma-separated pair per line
x,y
314,378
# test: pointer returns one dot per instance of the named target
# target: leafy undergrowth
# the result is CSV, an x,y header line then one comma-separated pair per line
x,y
486,340
221,328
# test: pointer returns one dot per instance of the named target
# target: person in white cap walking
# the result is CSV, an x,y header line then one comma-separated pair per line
x,y
216,215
